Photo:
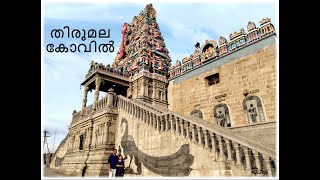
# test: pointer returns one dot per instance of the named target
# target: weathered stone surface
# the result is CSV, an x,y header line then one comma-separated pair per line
x,y
251,72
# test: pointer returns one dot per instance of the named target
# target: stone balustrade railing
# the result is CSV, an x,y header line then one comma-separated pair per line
x,y
101,105
223,143
149,106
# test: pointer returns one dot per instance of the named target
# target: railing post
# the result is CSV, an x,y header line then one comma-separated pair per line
x,y
199,136
228,149
150,120
187,130
247,156
158,123
193,130
162,121
177,124
258,162
238,157
206,140
154,121
167,122
171,123
214,145
267,159
221,150
181,127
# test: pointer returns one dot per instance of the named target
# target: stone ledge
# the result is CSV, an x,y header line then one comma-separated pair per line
x,y
212,64
271,123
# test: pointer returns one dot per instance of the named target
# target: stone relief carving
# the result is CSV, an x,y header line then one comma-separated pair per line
x,y
253,107
176,164
221,113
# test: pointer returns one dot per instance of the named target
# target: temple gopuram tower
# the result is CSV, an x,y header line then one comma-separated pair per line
x,y
144,56
229,115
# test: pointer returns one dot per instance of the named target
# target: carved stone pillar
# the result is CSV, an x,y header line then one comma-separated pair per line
x,y
158,123
104,130
187,130
126,106
247,156
162,123
84,100
110,97
154,90
75,141
238,156
86,144
137,111
193,130
133,110
206,140
96,93
142,87
151,119
181,127
171,123
267,160
221,150
228,149
213,144
167,122
102,134
177,124
154,121
258,162
143,115
199,136
108,124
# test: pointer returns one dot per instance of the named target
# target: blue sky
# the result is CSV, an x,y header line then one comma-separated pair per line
x,y
181,25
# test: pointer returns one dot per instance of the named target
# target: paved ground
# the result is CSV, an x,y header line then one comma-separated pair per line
x,y
48,172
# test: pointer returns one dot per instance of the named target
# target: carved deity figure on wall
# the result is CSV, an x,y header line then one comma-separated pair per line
x,y
158,47
252,113
208,52
160,65
221,113
156,34
253,107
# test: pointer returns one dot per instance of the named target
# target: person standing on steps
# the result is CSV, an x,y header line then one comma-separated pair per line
x,y
120,167
112,161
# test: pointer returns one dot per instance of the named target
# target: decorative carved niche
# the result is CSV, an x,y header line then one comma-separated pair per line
x,y
253,108
222,115
197,113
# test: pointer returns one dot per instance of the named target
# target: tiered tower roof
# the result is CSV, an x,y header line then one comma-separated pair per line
x,y
142,46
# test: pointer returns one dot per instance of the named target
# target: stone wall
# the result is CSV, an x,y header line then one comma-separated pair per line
x,y
59,154
250,71
261,132
150,152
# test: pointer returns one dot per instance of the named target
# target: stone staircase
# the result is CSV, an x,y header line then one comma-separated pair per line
x,y
229,153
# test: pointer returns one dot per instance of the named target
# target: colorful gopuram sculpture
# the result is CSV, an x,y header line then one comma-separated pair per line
x,y
142,46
